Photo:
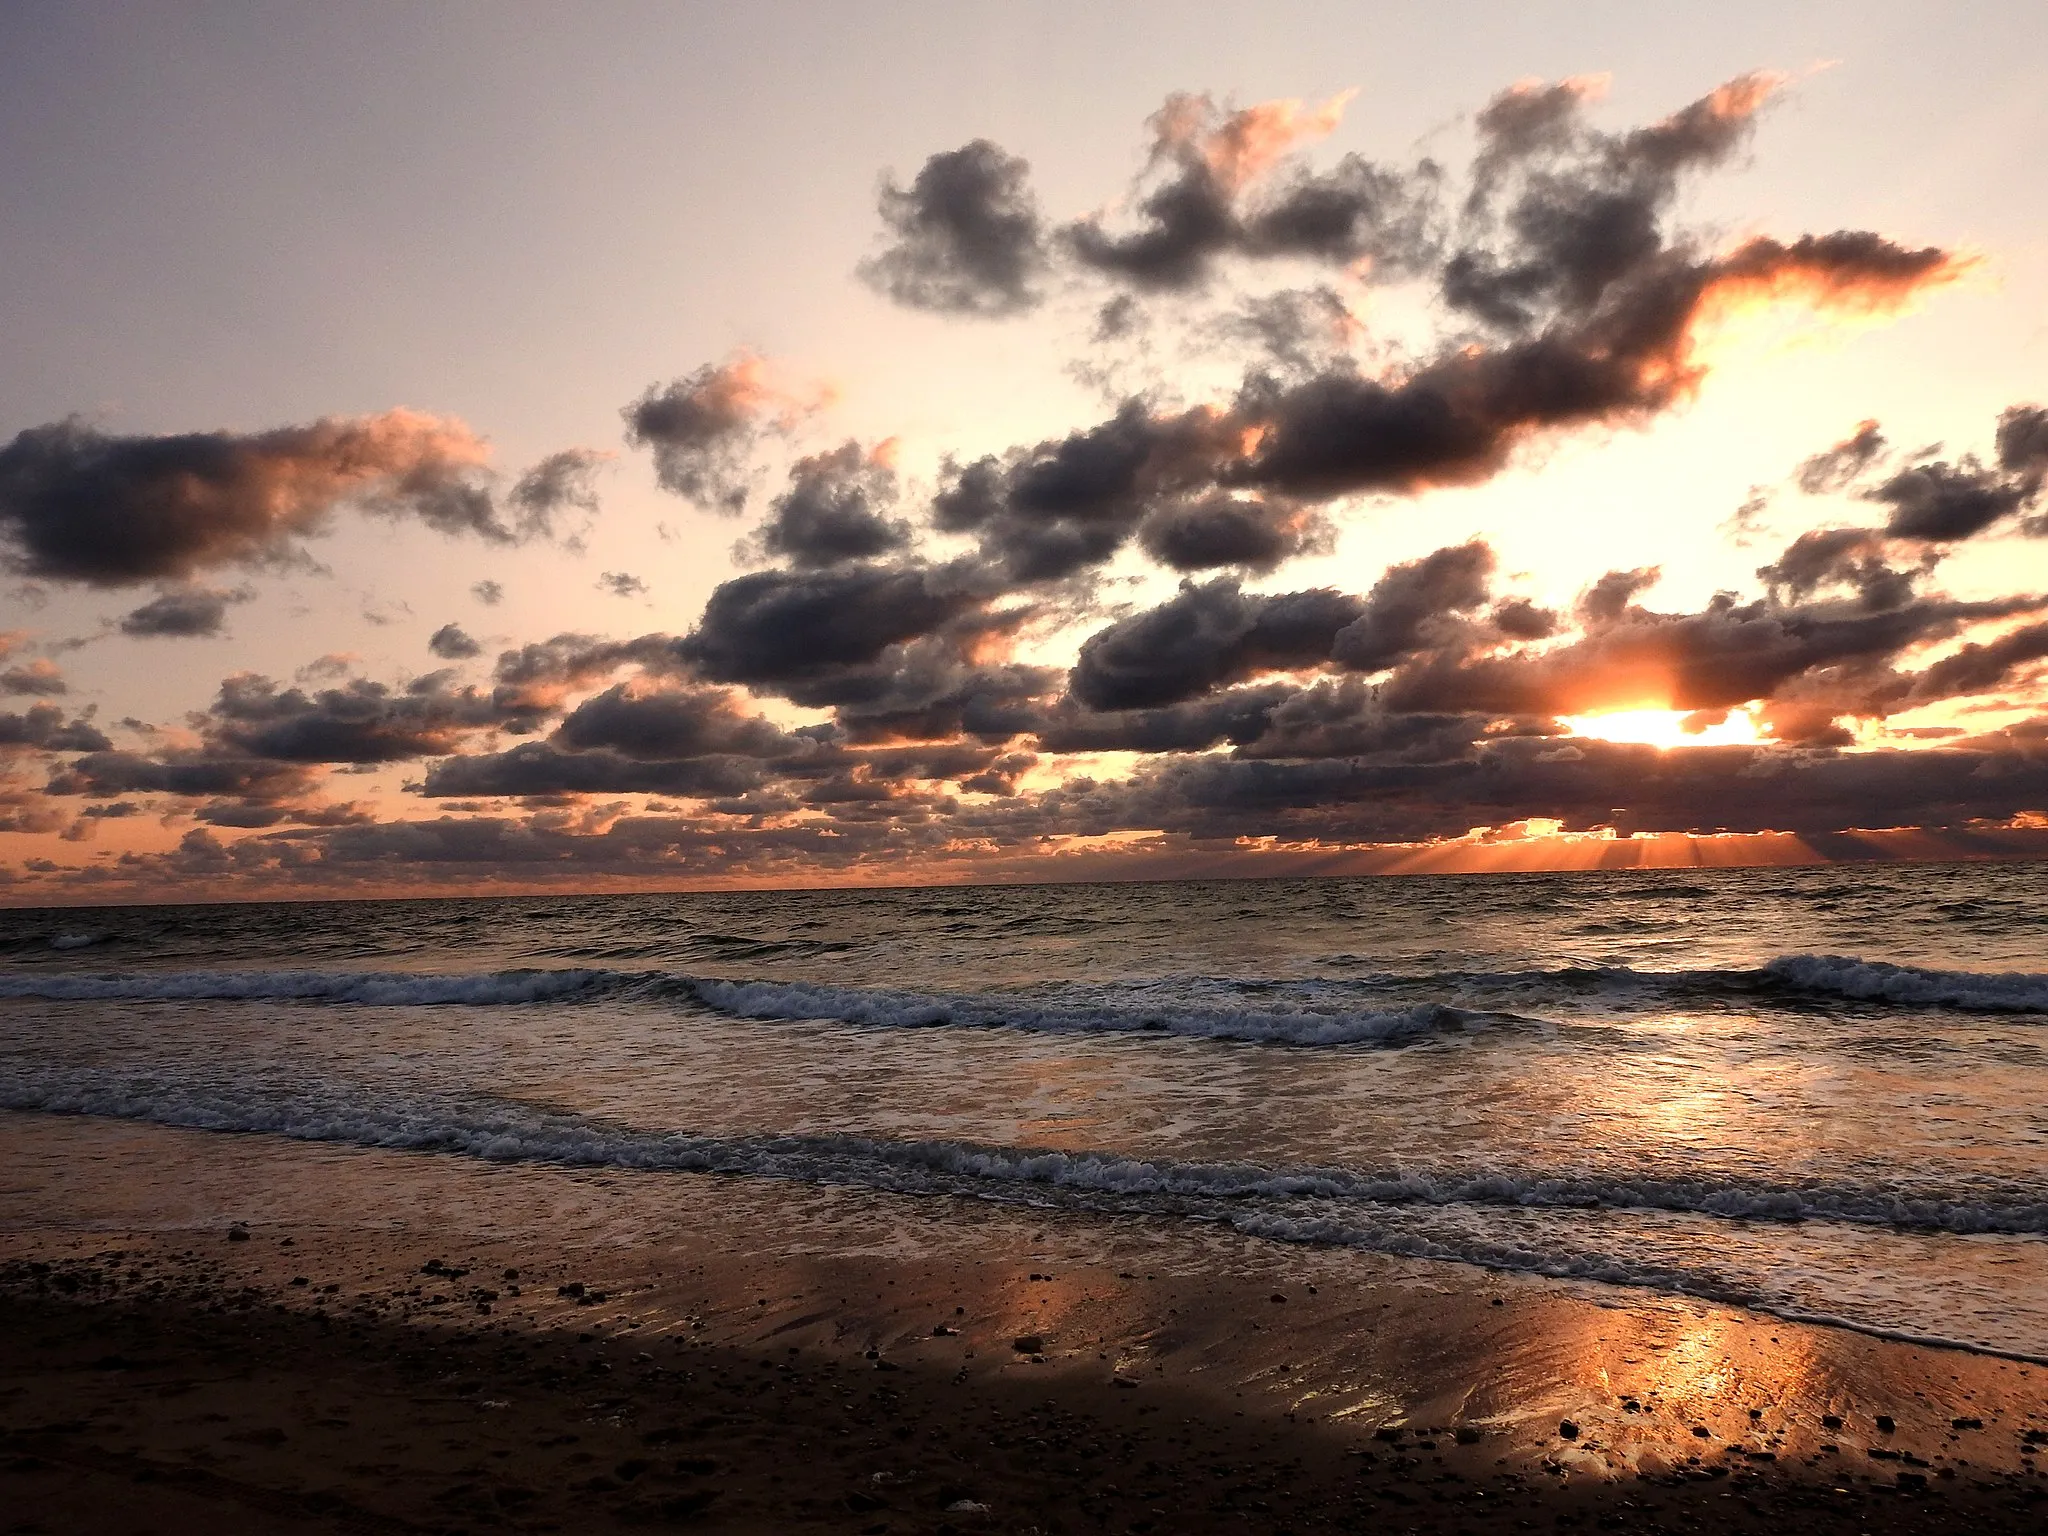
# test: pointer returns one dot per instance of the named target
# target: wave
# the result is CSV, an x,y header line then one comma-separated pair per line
x,y
754,1000
372,987
1876,981
1363,1009
1323,1206
911,1010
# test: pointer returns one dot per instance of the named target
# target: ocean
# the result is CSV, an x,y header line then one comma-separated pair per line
x,y
1819,1093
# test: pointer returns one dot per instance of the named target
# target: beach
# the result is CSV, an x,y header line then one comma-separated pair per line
x,y
398,1342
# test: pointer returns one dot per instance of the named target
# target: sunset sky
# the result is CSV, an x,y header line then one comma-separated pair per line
x,y
516,446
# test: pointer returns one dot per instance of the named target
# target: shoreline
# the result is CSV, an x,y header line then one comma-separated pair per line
x,y
838,1359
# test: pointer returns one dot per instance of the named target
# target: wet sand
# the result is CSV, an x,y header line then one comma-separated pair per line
x,y
406,1342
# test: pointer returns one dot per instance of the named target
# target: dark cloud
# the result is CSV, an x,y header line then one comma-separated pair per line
x,y
537,678
1842,465
622,584
1211,190
1212,635
43,728
674,722
2023,441
1560,214
1941,502
964,238
1203,638
1727,654
183,612
1410,604
358,722
452,643
703,429
1237,716
832,512
560,482
489,593
535,769
40,677
808,633
1253,534
108,773
1859,559
1979,668
1050,510
80,505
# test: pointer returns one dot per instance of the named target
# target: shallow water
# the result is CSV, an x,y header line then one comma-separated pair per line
x,y
1817,1091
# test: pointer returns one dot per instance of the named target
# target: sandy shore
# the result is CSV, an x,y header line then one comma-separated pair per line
x,y
404,1342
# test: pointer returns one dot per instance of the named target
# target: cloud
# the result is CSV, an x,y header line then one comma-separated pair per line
x,y
1254,534
560,482
1215,634
832,512
452,643
1842,465
965,238
39,676
183,612
1855,558
43,728
703,428
187,772
806,633
674,722
489,593
358,722
1203,638
1203,197
77,504
535,769
622,584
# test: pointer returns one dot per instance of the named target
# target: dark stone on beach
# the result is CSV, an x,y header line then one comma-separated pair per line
x,y
1028,1344
1965,1423
1885,1424
887,1365
1278,1297
1831,1420
1392,1432
1913,1482
573,1288
1124,1381
941,1331
1567,1430
1703,1432
238,1234
1467,1434
300,1280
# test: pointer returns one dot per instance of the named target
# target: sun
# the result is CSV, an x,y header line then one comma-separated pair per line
x,y
1667,727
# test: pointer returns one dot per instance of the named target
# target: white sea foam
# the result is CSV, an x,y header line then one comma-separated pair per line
x,y
73,940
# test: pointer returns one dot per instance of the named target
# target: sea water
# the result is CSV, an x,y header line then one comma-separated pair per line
x,y
1817,1092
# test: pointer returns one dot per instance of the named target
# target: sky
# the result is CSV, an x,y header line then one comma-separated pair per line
x,y
518,446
